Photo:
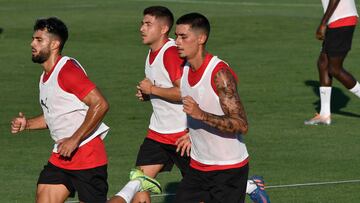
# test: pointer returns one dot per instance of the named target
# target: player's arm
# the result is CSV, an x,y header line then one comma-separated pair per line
x,y
320,32
98,106
234,119
173,65
20,123
171,94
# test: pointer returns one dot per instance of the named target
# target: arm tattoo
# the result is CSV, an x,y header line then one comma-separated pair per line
x,y
234,120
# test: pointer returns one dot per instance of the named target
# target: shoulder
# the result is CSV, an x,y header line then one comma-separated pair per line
x,y
70,69
223,68
171,52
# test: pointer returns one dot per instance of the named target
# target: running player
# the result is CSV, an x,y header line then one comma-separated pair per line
x,y
216,120
167,142
73,109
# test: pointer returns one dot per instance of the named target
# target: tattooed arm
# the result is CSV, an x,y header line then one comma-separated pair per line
x,y
234,118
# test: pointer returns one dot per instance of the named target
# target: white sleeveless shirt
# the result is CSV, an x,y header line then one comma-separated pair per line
x,y
64,112
208,144
167,117
346,8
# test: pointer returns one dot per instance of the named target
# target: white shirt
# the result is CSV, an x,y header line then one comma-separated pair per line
x,y
209,145
167,117
64,112
346,8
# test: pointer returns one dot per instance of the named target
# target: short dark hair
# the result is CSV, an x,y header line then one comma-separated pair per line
x,y
54,26
161,12
196,21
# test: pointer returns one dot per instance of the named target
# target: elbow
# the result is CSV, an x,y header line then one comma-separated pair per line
x,y
244,130
105,106
102,106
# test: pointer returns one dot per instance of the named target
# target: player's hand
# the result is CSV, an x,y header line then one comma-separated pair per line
x,y
141,96
138,94
145,86
192,108
320,32
183,144
67,146
18,124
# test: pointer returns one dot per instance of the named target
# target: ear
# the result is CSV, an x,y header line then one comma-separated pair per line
x,y
164,29
202,38
55,44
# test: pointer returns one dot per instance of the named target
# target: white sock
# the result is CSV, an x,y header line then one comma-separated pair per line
x,y
325,97
129,190
250,187
356,89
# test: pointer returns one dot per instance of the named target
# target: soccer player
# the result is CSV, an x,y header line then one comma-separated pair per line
x,y
336,30
216,120
167,142
73,109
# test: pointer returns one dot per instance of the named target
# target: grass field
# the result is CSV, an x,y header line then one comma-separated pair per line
x,y
269,43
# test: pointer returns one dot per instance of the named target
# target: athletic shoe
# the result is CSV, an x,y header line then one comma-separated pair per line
x,y
259,195
147,183
318,119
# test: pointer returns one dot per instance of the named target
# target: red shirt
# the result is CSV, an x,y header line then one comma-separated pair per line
x,y
73,79
195,76
203,167
173,65
342,22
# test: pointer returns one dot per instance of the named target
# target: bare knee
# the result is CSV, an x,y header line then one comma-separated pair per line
x,y
334,70
46,193
141,197
322,62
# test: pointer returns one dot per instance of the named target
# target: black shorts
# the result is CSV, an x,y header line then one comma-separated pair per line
x,y
338,41
152,152
225,186
91,184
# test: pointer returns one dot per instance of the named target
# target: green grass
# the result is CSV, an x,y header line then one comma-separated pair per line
x,y
271,46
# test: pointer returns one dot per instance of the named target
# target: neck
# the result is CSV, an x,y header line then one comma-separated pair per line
x,y
49,64
158,44
198,60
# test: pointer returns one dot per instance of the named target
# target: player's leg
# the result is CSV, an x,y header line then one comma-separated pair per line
x,y
337,70
53,185
116,199
150,157
230,185
325,79
168,158
190,189
182,162
151,171
256,190
91,184
138,189
337,51
49,193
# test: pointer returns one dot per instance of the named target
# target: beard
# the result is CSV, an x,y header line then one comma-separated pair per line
x,y
41,57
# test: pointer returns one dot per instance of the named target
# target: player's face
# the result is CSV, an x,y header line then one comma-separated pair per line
x,y
150,29
40,46
186,41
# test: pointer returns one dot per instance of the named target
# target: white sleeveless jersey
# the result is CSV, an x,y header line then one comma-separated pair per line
x,y
64,112
167,117
209,145
346,8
